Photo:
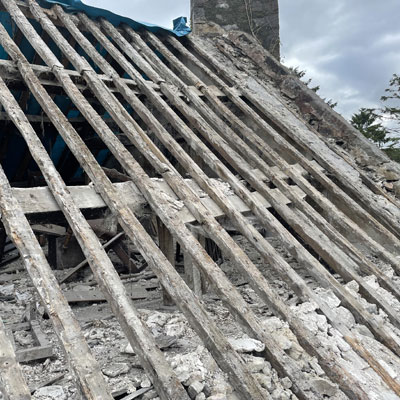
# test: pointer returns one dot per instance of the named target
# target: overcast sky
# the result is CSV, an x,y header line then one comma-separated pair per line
x,y
350,48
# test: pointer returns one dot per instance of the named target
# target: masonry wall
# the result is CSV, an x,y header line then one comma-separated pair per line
x,y
259,18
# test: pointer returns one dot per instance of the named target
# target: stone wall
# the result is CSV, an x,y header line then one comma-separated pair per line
x,y
259,18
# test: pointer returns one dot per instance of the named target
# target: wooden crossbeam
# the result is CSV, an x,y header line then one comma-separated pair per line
x,y
38,200
12,76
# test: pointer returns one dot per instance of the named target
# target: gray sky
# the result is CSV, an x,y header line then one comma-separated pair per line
x,y
350,48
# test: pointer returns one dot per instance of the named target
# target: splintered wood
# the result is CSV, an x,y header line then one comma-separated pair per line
x,y
226,152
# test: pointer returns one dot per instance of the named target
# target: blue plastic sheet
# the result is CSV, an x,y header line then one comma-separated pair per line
x,y
73,6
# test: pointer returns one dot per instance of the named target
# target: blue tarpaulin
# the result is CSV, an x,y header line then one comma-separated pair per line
x,y
73,6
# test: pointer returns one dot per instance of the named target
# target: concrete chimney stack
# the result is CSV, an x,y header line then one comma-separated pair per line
x,y
259,18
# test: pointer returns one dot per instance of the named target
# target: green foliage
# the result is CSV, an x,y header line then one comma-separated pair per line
x,y
367,122
391,99
393,153
300,74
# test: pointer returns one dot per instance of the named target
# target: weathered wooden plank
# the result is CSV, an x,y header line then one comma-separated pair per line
x,y
12,382
167,246
40,200
34,353
10,73
138,335
49,229
136,232
47,382
135,292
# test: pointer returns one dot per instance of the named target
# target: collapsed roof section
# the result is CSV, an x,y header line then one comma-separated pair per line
x,y
191,118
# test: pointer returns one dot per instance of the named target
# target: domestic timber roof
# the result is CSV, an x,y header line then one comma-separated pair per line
x,y
201,123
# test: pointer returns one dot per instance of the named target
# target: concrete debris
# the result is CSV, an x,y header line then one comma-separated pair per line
x,y
325,387
194,365
116,369
195,389
50,393
247,345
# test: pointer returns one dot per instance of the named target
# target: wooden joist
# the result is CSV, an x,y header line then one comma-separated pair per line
x,y
10,74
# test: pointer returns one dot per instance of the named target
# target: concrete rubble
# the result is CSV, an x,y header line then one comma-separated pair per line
x,y
192,363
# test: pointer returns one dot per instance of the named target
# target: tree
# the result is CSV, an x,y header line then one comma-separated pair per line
x,y
300,74
391,110
367,122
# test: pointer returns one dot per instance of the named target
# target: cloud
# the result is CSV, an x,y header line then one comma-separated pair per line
x,y
349,48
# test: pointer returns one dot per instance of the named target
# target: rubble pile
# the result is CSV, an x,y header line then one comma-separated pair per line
x,y
50,378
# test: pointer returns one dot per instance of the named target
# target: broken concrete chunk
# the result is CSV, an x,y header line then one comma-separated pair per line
x,y
152,394
201,396
363,330
323,386
264,380
352,286
176,329
316,367
116,369
256,364
218,396
146,383
330,298
345,317
7,290
247,345
128,349
286,383
51,393
372,281
195,388
272,324
280,394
